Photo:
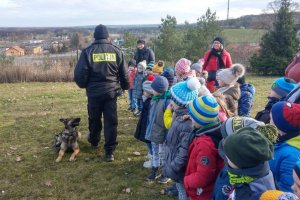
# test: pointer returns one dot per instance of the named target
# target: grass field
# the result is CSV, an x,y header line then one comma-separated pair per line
x,y
28,120
243,35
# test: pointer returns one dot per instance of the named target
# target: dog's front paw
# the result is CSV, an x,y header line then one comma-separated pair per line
x,y
72,159
58,160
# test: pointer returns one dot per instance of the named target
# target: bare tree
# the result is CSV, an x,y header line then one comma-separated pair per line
x,y
277,4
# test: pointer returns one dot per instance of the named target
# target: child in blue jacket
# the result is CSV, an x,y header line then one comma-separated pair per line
x,y
156,130
222,187
286,117
247,153
280,88
245,102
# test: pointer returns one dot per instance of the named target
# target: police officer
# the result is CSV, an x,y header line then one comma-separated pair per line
x,y
102,71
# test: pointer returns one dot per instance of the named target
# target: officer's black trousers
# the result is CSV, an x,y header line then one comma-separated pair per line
x,y
106,105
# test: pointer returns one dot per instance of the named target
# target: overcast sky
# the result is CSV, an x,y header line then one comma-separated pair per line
x,y
36,13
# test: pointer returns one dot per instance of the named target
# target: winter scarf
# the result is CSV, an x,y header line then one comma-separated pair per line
x,y
218,54
207,128
165,95
239,179
246,176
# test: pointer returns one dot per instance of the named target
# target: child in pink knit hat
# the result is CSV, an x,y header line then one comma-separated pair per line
x,y
183,69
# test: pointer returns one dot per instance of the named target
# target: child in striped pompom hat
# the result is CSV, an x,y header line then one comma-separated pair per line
x,y
204,162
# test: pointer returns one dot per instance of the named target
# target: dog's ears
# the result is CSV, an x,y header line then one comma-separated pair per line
x,y
64,120
70,121
74,122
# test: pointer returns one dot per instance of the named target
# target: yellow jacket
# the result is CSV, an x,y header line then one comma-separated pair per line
x,y
168,118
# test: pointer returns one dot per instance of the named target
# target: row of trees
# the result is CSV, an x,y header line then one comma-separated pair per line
x,y
176,41
278,45
192,40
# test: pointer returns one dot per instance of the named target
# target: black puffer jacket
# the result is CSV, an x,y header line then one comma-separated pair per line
x,y
144,54
101,69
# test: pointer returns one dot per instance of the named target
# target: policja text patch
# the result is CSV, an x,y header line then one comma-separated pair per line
x,y
104,57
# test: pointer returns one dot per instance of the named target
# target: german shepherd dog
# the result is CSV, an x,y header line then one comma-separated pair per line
x,y
68,138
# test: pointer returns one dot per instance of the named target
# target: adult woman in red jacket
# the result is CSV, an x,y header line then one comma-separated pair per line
x,y
215,59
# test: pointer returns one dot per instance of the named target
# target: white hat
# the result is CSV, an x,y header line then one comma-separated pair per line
x,y
232,74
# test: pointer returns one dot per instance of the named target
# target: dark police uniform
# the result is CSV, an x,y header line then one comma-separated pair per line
x,y
102,71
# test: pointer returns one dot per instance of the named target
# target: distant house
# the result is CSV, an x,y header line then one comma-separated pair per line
x,y
15,51
119,42
36,41
33,50
56,45
46,45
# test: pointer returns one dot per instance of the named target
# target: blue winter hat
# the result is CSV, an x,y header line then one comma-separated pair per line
x,y
286,117
204,110
184,92
160,84
169,74
282,86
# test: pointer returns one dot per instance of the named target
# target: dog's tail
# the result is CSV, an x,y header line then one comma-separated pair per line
x,y
57,142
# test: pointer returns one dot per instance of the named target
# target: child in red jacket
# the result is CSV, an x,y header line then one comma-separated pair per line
x,y
204,162
132,71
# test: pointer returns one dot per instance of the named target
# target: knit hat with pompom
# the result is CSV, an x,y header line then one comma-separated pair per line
x,y
277,195
231,75
183,67
248,148
185,92
150,78
286,117
204,110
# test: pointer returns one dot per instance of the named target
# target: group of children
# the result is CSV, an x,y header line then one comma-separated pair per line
x,y
204,140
